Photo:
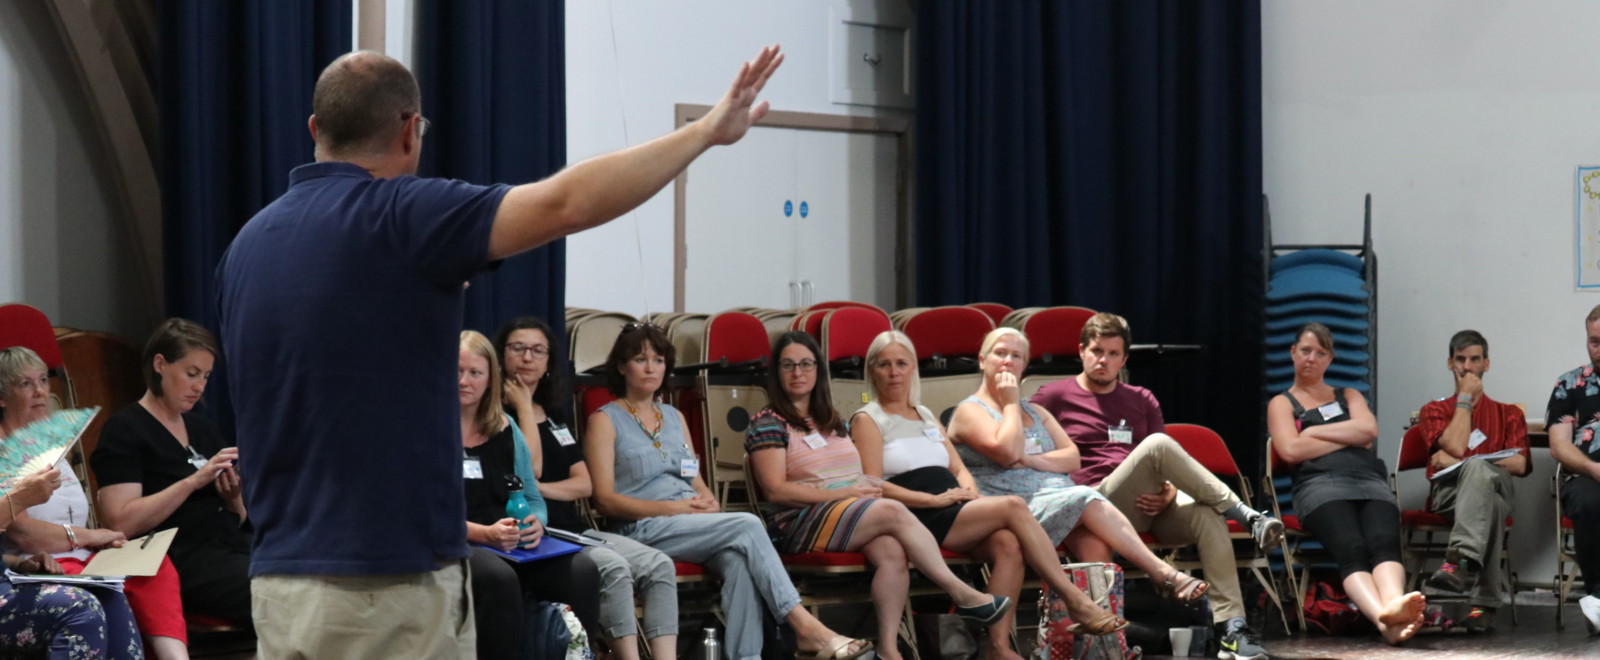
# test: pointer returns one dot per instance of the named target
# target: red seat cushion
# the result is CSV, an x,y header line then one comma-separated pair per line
x,y
1235,528
951,555
1292,521
1566,523
685,569
829,559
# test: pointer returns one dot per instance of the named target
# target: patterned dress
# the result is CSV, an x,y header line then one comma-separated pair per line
x,y
1056,502
822,461
61,621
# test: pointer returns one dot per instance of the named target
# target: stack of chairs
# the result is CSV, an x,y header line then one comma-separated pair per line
x,y
947,340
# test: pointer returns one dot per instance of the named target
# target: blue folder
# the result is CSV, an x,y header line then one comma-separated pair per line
x,y
548,548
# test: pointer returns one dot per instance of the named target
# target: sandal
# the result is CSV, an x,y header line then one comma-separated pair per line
x,y
838,648
1183,587
1103,624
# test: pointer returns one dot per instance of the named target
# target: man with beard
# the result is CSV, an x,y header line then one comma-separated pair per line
x,y
1128,457
1572,418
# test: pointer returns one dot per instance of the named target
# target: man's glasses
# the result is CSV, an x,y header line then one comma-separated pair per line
x,y
422,123
536,350
804,366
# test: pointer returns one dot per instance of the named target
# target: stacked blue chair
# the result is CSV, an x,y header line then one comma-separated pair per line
x,y
1329,287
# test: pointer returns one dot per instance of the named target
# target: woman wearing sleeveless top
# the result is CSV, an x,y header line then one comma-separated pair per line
x,y
534,398
647,483
900,439
1013,447
1341,490
820,502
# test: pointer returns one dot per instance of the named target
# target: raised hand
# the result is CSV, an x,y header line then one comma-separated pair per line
x,y
738,110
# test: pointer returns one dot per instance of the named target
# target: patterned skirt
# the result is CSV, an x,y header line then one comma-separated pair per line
x,y
821,527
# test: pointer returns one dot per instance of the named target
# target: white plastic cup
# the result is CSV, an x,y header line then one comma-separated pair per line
x,y
1181,638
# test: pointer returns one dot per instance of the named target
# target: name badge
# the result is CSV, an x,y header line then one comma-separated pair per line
x,y
1032,445
471,468
1331,411
815,441
688,467
198,461
1120,433
933,435
563,435
1475,439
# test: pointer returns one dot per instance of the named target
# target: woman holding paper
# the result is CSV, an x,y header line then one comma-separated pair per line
x,y
497,468
57,527
1341,490
534,395
821,502
162,466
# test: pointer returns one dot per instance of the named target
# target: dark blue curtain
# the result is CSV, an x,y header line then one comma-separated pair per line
x,y
493,78
234,83
1106,154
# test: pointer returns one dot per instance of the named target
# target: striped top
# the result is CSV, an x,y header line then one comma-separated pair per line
x,y
834,464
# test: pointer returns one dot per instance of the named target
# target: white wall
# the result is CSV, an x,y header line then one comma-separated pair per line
x,y
60,249
1464,119
628,63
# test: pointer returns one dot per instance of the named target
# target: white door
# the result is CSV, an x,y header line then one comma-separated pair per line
x,y
846,185
740,250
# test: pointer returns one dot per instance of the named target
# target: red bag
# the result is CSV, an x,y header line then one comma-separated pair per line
x,y
1103,584
1328,609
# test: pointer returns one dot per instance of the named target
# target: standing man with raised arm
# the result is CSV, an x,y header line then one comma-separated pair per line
x,y
340,307
1572,419
1477,495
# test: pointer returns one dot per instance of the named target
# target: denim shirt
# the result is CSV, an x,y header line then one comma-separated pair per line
x,y
643,471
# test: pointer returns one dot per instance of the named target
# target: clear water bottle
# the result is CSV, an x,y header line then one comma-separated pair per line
x,y
711,647
517,507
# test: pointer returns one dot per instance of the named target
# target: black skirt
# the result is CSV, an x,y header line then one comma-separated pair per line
x,y
932,480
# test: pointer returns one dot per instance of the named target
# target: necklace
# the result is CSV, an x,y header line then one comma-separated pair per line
x,y
655,436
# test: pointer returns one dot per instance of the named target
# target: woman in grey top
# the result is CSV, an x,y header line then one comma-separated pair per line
x,y
647,484
1340,491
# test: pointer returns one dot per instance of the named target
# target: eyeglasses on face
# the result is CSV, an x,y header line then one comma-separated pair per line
x,y
805,366
422,122
525,350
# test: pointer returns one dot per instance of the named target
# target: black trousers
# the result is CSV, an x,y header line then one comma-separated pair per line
x,y
1360,534
1580,501
214,578
499,586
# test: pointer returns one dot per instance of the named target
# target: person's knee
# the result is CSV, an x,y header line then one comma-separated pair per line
x,y
886,554
1014,507
1002,543
895,512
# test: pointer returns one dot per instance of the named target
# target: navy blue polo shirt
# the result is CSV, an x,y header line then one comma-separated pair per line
x,y
341,311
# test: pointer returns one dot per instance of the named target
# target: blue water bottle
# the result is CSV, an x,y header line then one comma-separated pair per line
x,y
517,507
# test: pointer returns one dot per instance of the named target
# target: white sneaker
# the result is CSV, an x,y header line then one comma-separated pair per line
x,y
1590,606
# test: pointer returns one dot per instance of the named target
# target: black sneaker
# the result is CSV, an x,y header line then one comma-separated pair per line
x,y
1240,642
1481,620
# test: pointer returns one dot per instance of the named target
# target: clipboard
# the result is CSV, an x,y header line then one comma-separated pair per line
x,y
140,557
548,548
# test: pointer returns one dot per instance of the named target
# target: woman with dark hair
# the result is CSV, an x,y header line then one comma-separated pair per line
x,y
161,466
822,503
647,483
1341,488
532,392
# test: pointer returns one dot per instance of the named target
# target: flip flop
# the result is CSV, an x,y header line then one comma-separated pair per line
x,y
837,648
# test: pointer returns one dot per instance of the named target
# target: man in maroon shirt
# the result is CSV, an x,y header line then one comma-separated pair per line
x,y
1477,494
1128,457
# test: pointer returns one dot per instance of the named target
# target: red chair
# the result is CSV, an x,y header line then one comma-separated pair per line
x,y
848,332
1566,552
996,311
1425,535
942,333
842,304
810,322
22,325
1206,447
1053,333
729,398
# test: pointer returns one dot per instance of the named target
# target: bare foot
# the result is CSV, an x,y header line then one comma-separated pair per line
x,y
1397,634
1403,610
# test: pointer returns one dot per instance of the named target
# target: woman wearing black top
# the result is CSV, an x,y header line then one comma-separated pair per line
x,y
161,466
533,393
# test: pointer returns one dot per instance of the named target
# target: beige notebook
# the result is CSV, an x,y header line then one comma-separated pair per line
x,y
137,558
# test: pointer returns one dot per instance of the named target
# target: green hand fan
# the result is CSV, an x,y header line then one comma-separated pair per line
x,y
41,444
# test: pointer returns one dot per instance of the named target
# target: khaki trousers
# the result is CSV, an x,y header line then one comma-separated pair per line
x,y
1192,518
1478,499
414,615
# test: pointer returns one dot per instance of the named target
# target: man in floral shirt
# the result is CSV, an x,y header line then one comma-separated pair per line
x,y
1572,418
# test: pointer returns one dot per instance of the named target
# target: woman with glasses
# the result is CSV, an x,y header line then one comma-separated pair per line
x,y
162,466
901,439
496,464
1013,447
821,502
1341,488
535,398
647,483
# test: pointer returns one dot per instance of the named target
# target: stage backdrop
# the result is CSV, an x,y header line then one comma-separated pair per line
x,y
1105,154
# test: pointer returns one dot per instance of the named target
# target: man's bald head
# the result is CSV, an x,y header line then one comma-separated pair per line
x,y
360,102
